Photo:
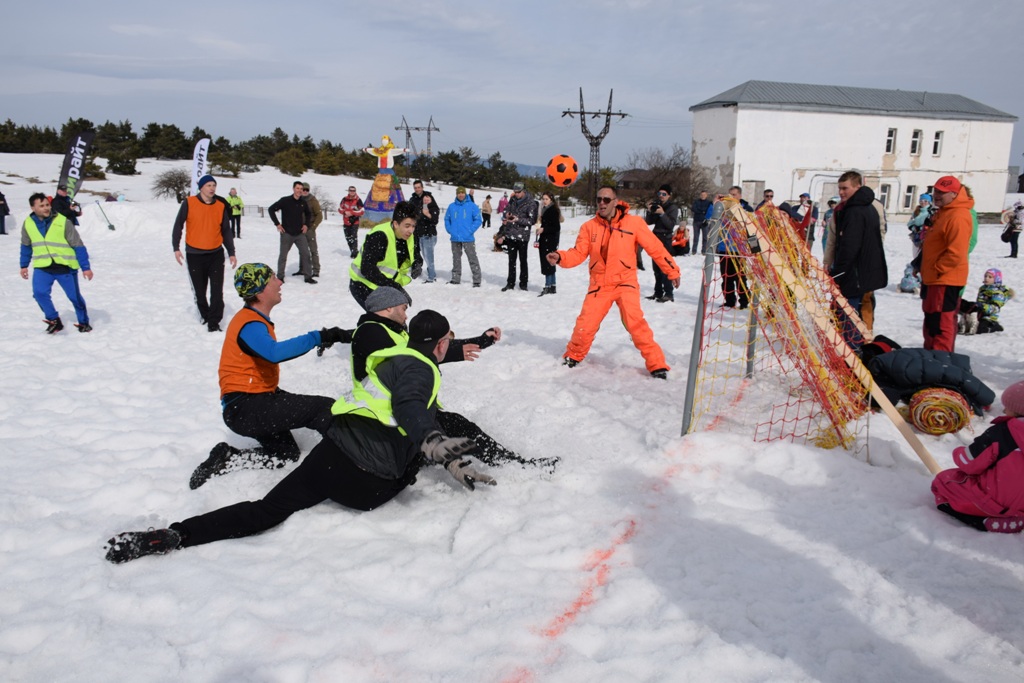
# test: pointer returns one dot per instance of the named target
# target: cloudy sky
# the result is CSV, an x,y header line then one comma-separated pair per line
x,y
494,77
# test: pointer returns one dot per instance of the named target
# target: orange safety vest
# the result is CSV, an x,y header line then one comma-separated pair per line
x,y
203,224
238,370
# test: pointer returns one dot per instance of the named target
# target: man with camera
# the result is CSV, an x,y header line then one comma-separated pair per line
x,y
662,216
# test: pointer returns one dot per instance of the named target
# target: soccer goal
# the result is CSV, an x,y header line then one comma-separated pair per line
x,y
773,343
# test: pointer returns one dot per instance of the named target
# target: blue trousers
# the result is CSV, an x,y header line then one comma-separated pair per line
x,y
42,283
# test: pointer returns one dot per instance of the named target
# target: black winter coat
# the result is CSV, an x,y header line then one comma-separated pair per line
x,y
859,265
663,225
425,227
902,373
700,210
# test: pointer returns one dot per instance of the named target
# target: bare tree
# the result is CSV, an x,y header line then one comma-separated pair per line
x,y
650,168
173,183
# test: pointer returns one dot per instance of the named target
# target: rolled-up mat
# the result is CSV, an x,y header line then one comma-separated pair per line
x,y
939,411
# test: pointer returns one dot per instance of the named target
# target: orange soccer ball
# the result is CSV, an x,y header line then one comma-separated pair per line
x,y
562,170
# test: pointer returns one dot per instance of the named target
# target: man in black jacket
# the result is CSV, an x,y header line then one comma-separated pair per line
x,y
63,204
700,229
296,218
5,211
427,215
367,457
859,266
662,216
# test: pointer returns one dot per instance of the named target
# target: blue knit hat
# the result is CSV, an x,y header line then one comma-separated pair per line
x,y
997,275
206,179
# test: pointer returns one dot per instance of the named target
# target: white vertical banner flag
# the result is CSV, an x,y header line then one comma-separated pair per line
x,y
199,163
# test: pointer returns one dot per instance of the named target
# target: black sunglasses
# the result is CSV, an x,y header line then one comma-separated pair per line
x,y
605,200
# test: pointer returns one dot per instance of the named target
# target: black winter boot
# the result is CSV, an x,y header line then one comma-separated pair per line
x,y
132,545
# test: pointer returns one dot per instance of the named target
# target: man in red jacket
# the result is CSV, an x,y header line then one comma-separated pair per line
x,y
610,240
943,262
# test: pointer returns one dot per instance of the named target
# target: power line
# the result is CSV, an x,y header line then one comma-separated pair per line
x,y
595,140
408,134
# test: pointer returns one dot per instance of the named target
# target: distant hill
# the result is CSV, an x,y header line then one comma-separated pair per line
x,y
528,170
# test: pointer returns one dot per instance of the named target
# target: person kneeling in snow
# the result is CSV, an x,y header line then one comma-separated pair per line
x,y
252,402
982,316
370,453
986,489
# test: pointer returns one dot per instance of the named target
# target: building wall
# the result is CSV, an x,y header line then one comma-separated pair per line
x,y
714,148
794,151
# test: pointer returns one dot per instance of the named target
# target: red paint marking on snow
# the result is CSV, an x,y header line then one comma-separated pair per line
x,y
732,404
520,675
597,567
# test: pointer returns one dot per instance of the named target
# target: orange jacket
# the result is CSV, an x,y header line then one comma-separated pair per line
x,y
238,370
947,243
622,237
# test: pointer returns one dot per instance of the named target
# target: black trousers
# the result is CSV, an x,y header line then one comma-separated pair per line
x,y
662,283
352,238
517,250
270,417
206,271
734,284
325,474
236,225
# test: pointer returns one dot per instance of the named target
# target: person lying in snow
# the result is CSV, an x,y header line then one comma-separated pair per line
x,y
986,488
371,452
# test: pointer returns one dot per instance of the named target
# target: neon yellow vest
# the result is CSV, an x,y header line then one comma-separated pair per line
x,y
389,266
236,204
54,247
372,399
399,338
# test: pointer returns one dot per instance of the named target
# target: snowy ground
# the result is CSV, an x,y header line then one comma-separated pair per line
x,y
644,557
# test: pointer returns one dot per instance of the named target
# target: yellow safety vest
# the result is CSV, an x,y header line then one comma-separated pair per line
x,y
54,247
389,266
399,338
372,399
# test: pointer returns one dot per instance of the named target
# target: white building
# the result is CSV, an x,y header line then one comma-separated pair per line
x,y
795,138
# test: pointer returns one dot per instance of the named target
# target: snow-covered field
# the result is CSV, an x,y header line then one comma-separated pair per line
x,y
644,557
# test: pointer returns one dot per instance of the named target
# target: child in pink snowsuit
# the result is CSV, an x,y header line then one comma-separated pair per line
x,y
986,490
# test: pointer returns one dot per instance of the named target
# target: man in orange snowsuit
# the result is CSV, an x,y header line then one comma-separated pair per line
x,y
610,240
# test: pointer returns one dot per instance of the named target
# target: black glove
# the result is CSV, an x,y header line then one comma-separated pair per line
x,y
329,336
485,340
451,452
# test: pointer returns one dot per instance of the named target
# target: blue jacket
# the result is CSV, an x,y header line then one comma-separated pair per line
x,y
462,219
727,245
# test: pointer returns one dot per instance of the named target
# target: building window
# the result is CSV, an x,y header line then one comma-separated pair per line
x,y
937,144
890,141
915,143
908,197
883,195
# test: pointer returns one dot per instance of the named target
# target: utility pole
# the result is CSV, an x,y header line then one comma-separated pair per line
x,y
430,127
595,140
